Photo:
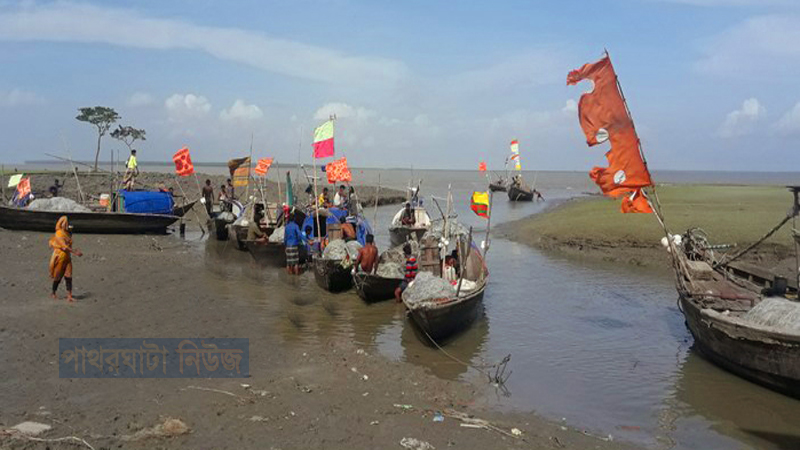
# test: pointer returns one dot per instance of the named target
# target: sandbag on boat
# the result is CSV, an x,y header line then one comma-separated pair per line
x,y
396,255
277,236
339,249
391,270
776,313
57,204
427,287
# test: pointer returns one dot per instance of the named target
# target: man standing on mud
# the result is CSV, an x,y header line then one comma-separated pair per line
x,y
367,256
208,196
292,239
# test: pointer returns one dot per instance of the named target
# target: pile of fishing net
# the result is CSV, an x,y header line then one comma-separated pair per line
x,y
339,249
437,230
391,270
777,313
277,236
396,255
60,204
427,287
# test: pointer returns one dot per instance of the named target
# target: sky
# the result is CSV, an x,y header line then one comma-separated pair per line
x,y
711,84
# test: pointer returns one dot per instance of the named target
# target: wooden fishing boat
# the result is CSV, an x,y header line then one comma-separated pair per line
x,y
272,254
331,276
85,222
498,185
519,193
715,300
444,317
180,211
375,288
400,234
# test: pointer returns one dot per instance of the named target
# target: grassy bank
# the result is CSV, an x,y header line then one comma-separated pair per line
x,y
594,226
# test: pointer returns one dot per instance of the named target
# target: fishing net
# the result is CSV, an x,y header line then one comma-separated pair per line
x,y
277,236
437,230
396,255
427,287
57,204
391,270
777,313
339,249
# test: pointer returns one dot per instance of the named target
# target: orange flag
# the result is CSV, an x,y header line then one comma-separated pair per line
x,y
482,166
338,171
263,166
604,117
183,162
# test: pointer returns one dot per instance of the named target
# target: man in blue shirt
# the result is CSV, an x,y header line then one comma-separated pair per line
x,y
293,239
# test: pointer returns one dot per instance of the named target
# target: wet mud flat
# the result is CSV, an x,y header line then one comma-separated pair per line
x,y
332,395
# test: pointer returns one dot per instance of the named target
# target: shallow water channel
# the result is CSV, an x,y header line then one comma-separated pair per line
x,y
600,346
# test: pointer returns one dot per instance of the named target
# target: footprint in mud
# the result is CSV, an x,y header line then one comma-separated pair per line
x,y
297,320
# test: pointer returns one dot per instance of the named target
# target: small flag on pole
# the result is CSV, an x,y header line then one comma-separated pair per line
x,y
14,180
482,166
263,166
515,154
480,204
323,140
338,171
183,162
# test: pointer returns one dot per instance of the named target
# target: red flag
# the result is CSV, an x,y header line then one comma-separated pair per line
x,y
263,166
482,166
24,188
338,171
183,162
604,117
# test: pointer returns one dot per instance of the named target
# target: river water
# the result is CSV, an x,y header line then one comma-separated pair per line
x,y
599,346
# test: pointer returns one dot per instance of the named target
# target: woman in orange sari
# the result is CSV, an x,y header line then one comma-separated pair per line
x,y
61,261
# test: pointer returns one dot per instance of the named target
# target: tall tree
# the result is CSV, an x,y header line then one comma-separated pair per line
x,y
102,118
128,135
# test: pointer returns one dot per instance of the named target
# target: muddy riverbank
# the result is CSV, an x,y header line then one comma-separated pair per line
x,y
330,395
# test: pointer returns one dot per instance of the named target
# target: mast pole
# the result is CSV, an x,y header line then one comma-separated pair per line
x,y
488,224
249,166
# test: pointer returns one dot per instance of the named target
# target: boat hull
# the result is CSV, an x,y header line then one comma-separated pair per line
x,y
85,222
374,288
331,276
769,359
497,187
400,235
447,319
516,194
271,254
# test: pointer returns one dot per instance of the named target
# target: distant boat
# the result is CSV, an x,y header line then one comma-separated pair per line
x,y
498,185
399,233
518,190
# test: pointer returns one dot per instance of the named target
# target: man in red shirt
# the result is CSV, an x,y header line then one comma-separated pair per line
x,y
411,272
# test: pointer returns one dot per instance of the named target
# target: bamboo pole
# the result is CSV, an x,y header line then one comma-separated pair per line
x,y
74,170
377,195
3,182
488,225
463,262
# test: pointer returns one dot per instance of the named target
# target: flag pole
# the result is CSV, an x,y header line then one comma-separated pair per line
x,y
249,166
318,237
488,224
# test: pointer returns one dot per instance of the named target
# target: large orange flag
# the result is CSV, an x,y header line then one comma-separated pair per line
x,y
604,117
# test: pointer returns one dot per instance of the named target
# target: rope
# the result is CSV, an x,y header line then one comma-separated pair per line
x,y
479,368
758,242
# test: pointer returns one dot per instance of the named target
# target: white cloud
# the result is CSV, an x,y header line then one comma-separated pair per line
x,y
184,107
139,99
343,111
84,23
742,121
570,107
241,111
789,123
19,97
762,47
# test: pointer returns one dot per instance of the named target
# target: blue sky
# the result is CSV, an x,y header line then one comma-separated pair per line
x,y
711,83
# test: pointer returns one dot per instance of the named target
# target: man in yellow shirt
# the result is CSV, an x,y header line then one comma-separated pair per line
x,y
131,171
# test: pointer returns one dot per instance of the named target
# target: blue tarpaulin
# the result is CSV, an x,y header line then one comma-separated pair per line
x,y
147,202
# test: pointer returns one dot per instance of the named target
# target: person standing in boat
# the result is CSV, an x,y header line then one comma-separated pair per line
x,y
231,190
367,256
292,239
325,199
61,260
408,218
131,171
341,199
208,196
411,272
